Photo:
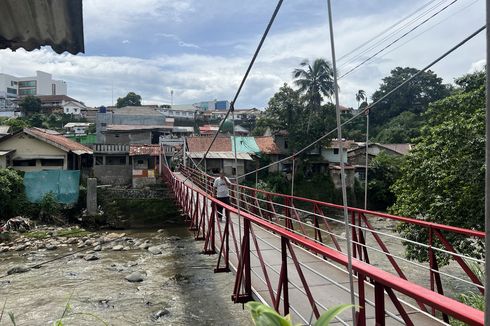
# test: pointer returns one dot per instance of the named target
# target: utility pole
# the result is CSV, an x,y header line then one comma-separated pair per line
x,y
171,98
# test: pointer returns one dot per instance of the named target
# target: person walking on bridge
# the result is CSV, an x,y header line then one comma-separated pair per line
x,y
221,187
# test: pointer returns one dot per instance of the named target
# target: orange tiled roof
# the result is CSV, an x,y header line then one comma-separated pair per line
x,y
267,145
144,150
201,144
55,139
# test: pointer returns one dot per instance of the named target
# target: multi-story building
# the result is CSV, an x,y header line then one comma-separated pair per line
x,y
12,87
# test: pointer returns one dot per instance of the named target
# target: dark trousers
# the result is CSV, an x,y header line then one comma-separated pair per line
x,y
224,200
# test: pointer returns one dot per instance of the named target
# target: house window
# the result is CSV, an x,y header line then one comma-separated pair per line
x,y
286,144
99,160
116,160
52,162
24,163
30,83
103,124
11,90
28,91
336,151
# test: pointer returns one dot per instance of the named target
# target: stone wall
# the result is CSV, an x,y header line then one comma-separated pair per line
x,y
113,174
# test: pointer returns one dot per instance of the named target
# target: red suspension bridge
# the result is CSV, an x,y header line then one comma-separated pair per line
x,y
288,252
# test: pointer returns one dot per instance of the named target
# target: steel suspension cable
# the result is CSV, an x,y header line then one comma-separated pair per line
x,y
244,79
342,168
371,106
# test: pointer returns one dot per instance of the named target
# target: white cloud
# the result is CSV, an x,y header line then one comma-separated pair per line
x,y
195,77
125,42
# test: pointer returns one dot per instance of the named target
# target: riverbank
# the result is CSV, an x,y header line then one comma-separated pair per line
x,y
123,278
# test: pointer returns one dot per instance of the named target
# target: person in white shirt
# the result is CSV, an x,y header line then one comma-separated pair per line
x,y
221,187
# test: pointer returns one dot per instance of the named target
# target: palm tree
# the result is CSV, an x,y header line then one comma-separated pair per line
x,y
360,96
314,81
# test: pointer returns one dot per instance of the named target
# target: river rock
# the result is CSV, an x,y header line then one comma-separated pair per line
x,y
51,246
126,249
144,246
98,248
155,250
173,238
135,277
161,313
20,247
41,245
88,242
117,248
18,269
160,230
91,257
71,241
4,249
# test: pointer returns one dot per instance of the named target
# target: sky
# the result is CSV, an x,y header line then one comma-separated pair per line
x,y
200,49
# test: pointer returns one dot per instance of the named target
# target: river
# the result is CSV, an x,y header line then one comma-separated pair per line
x,y
179,286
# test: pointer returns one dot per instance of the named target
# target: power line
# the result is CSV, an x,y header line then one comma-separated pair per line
x,y
391,33
431,27
372,105
398,39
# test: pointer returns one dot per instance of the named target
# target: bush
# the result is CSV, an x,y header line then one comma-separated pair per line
x,y
49,208
11,193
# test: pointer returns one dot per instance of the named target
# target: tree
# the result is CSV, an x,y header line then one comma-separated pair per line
x,y
360,96
11,192
413,97
314,82
132,99
404,128
443,177
16,124
30,104
384,170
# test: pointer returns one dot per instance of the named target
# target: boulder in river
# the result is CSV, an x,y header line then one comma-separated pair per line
x,y
160,313
91,257
135,277
18,269
117,248
155,250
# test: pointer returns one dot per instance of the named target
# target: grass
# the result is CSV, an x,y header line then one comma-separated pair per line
x,y
70,233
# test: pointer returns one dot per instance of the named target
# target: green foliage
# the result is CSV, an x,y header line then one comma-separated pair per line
x,y
413,97
131,99
384,171
30,104
227,127
263,315
11,193
404,128
16,124
49,207
443,178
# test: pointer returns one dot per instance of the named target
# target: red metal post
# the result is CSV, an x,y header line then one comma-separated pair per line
x,y
379,304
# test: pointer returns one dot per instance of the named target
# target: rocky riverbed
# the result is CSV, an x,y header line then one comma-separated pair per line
x,y
122,278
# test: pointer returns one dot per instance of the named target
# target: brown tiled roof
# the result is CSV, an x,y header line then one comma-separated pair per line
x,y
144,150
267,145
201,144
55,139
135,127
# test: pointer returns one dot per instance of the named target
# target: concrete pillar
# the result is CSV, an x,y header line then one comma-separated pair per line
x,y
91,196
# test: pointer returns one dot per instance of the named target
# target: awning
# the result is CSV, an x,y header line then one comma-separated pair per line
x,y
30,24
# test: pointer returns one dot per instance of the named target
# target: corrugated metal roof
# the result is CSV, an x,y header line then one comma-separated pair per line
x,y
144,150
5,129
245,145
135,127
2,153
30,24
201,144
58,141
221,155
267,145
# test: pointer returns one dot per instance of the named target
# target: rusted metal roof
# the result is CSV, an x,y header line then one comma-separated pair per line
x,y
222,155
267,145
201,144
144,150
30,24
58,140
135,127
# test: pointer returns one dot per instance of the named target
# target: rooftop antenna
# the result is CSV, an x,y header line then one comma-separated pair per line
x,y
112,93
172,97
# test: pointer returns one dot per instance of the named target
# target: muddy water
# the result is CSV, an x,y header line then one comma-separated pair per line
x,y
180,281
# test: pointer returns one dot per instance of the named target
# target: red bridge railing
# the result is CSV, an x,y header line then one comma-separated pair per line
x,y
280,215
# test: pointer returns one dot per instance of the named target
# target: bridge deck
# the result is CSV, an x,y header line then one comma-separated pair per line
x,y
328,282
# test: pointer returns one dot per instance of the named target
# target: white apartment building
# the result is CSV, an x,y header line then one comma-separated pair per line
x,y
12,87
